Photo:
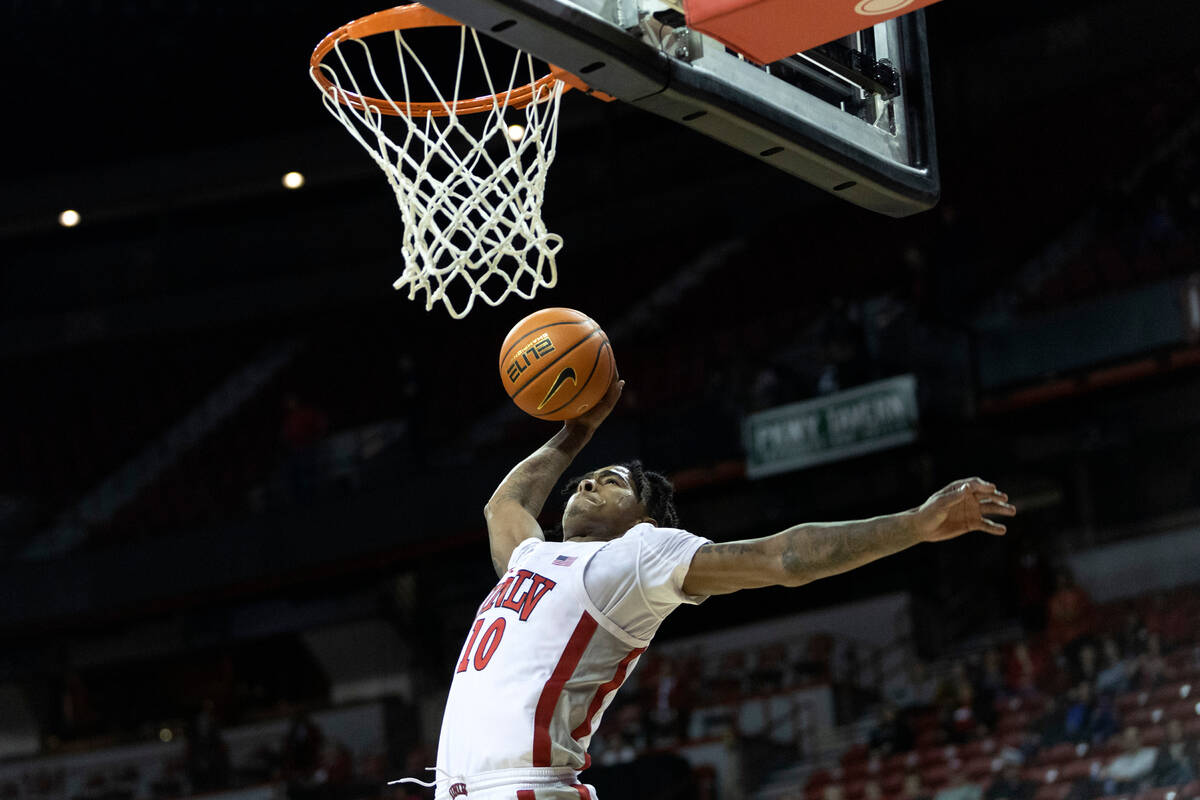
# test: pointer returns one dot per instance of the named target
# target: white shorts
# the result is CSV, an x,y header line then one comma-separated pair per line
x,y
545,783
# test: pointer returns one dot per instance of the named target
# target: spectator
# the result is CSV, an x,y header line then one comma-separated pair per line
x,y
923,684
1151,668
960,788
988,687
664,717
301,748
303,427
1032,580
961,723
1176,761
337,764
872,791
206,755
814,665
1053,722
1087,665
1114,674
1068,613
947,695
1104,723
1010,785
892,733
1076,726
1023,672
1131,769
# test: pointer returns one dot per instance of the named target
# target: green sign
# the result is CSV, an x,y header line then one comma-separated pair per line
x,y
871,417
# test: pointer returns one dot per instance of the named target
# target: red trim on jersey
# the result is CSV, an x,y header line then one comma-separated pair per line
x,y
553,688
602,691
583,792
525,794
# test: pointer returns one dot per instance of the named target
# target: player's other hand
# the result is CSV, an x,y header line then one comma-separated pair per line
x,y
592,418
965,505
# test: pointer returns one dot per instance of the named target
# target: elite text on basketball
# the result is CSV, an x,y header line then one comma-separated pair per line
x,y
535,350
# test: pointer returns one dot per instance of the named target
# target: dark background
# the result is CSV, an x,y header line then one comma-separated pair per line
x,y
1067,135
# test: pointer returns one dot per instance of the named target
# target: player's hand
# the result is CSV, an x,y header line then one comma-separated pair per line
x,y
592,418
963,506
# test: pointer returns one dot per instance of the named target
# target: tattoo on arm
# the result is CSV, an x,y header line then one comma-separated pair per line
x,y
531,481
818,550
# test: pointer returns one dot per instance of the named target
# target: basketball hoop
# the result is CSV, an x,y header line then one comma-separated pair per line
x,y
470,195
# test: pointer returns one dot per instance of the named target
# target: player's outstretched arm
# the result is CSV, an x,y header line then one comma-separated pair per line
x,y
512,511
815,550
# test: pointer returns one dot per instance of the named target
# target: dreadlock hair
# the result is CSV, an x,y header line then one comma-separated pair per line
x,y
656,493
654,490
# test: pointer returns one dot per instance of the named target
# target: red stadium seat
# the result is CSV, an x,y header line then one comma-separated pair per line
x,y
856,753
1057,754
892,782
1148,715
979,747
1189,792
929,738
1181,659
819,778
1053,791
1014,721
979,768
1040,774
1171,693
1185,710
1161,793
855,770
1153,737
1131,700
900,761
929,756
925,721
1080,768
935,777
1015,740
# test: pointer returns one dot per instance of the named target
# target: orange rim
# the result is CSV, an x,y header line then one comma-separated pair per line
x,y
418,16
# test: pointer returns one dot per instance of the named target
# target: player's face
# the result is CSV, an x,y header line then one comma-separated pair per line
x,y
603,506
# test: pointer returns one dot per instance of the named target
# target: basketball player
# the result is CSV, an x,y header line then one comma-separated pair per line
x,y
554,640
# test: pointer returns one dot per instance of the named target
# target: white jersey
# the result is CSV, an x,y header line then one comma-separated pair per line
x,y
550,647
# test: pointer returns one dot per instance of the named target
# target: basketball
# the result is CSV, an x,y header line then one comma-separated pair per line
x,y
556,364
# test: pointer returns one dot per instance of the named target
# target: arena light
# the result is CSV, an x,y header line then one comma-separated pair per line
x,y
293,180
69,218
165,735
516,132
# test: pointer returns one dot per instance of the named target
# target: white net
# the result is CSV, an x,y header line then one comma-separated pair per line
x,y
469,186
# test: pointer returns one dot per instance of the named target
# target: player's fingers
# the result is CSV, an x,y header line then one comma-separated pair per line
x,y
995,528
979,485
990,505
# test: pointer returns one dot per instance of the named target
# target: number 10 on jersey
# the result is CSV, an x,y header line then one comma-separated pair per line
x,y
487,645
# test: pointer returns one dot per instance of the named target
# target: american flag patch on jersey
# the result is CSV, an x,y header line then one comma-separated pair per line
x,y
563,561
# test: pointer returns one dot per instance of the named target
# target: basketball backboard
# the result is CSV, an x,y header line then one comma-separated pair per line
x,y
853,117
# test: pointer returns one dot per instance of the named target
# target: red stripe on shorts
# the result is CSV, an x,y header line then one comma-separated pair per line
x,y
602,691
553,688
584,794
525,794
